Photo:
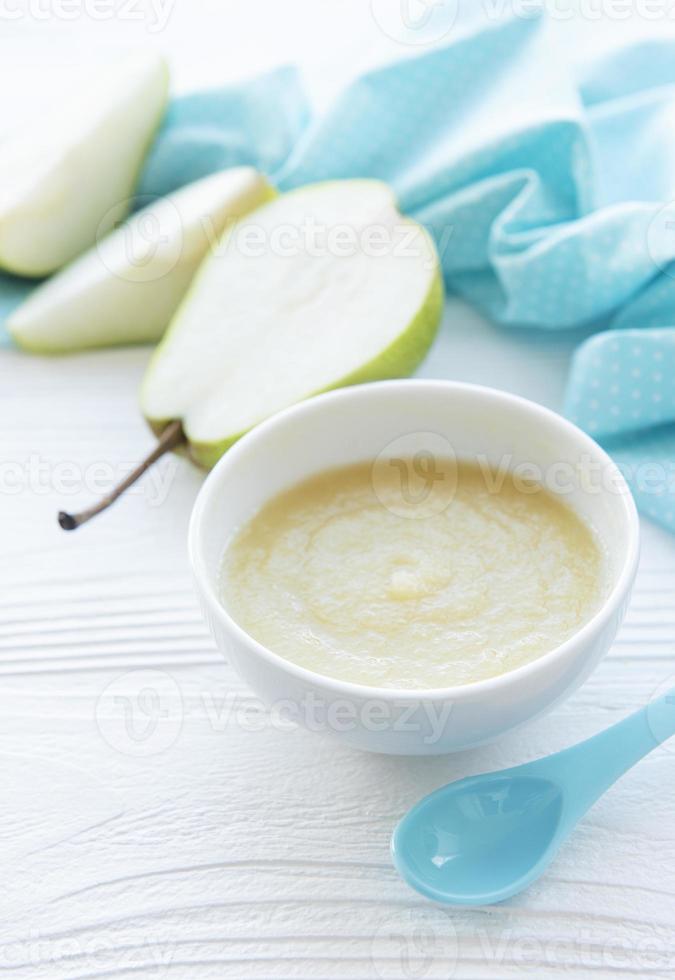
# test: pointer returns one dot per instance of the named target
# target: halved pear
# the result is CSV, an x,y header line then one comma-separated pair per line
x,y
67,177
125,289
325,286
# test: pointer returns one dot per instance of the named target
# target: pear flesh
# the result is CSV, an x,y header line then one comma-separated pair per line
x,y
325,286
67,178
126,288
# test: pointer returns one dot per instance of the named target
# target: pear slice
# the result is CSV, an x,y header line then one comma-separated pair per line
x,y
325,286
68,177
126,289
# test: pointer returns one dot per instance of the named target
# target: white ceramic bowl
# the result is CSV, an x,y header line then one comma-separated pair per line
x,y
357,424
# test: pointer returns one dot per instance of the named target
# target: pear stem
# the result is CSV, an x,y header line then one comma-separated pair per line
x,y
171,437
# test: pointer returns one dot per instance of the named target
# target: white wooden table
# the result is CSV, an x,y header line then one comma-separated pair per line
x,y
197,840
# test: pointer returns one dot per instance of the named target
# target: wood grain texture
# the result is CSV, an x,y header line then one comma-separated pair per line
x,y
221,845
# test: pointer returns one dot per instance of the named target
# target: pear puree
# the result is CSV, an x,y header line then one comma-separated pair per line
x,y
413,573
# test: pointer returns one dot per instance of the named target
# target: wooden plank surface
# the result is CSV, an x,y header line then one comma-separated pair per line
x,y
215,843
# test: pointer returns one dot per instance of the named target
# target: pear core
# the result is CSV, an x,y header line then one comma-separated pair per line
x,y
399,577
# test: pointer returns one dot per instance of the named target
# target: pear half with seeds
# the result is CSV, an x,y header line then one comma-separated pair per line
x,y
126,289
325,286
67,176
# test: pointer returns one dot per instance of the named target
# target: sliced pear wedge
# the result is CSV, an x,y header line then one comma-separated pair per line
x,y
325,286
126,288
68,177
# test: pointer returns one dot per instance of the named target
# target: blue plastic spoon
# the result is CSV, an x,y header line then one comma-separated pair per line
x,y
484,838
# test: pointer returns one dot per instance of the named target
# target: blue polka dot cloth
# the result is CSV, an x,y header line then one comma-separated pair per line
x,y
549,191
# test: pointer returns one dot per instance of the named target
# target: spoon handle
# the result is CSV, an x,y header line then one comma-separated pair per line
x,y
591,767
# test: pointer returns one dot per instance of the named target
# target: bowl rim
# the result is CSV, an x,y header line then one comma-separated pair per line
x,y
473,689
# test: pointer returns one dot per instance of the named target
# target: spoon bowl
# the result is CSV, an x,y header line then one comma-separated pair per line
x,y
479,840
